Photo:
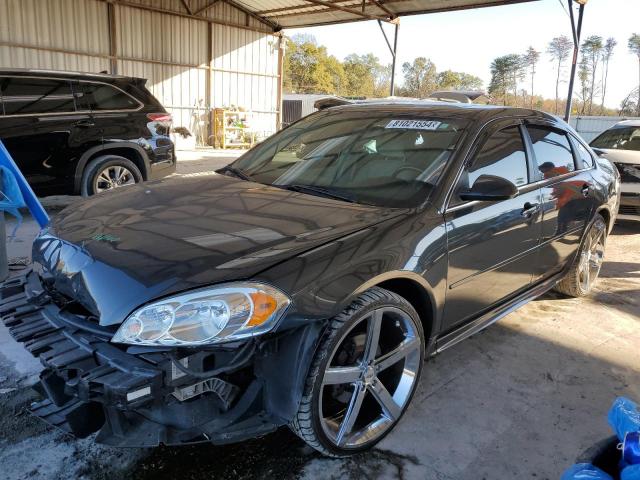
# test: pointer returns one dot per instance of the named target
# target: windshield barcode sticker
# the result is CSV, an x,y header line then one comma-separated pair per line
x,y
414,124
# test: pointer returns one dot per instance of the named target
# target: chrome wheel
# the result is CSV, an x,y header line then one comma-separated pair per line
x,y
591,256
370,377
113,177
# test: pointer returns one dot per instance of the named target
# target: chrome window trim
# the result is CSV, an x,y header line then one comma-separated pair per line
x,y
140,104
594,162
74,95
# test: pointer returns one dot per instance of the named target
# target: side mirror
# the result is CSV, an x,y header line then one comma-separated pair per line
x,y
490,188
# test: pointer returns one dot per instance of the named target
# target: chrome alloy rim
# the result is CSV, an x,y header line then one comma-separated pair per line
x,y
591,257
113,177
370,377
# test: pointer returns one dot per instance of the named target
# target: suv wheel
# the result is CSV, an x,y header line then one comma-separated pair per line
x,y
108,172
585,269
363,375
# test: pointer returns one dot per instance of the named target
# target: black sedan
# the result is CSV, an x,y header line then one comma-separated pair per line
x,y
305,284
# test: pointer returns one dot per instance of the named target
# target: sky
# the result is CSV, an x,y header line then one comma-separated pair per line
x,y
469,40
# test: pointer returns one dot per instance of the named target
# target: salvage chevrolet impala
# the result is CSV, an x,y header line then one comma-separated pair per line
x,y
306,283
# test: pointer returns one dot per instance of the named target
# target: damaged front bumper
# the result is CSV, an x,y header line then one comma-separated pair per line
x,y
149,396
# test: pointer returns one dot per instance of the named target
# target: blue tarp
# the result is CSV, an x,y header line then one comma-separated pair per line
x,y
15,183
624,418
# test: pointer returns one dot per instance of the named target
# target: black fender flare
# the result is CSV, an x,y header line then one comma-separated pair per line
x,y
104,149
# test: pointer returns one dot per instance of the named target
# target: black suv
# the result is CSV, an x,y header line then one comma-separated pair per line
x,y
81,133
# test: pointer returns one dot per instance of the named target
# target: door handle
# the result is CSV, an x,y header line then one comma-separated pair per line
x,y
84,124
585,190
530,209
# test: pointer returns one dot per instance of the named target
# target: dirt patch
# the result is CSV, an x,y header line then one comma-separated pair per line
x,y
279,455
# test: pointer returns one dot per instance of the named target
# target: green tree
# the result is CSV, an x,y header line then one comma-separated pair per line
x,y
591,50
530,61
309,69
584,78
634,47
506,71
559,49
450,80
607,53
629,106
420,77
365,76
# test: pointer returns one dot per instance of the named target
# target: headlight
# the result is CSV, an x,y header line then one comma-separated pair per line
x,y
204,316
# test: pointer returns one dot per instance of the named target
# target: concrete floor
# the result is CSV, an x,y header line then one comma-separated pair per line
x,y
522,399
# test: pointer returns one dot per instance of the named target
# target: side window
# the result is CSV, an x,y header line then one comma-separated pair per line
x,y
502,155
583,153
24,95
100,96
552,150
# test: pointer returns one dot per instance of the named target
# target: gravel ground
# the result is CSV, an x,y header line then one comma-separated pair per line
x,y
522,399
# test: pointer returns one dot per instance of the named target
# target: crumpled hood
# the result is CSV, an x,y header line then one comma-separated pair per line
x,y
117,251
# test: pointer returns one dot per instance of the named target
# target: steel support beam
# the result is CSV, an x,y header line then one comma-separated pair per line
x,y
205,8
281,46
333,6
186,7
383,8
266,21
149,8
393,50
113,42
576,32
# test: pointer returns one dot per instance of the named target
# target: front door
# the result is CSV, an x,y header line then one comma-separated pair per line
x,y
492,245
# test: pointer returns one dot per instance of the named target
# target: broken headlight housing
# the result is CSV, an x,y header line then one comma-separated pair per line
x,y
205,316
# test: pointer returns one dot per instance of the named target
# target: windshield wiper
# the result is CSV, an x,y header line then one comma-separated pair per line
x,y
317,190
234,171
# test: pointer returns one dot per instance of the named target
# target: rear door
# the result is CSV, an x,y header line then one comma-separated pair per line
x,y
111,112
39,128
567,196
493,246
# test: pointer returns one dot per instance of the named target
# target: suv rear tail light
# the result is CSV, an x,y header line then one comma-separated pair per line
x,y
160,117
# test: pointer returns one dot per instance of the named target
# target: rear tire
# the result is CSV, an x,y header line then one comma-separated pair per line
x,y
359,388
586,266
108,172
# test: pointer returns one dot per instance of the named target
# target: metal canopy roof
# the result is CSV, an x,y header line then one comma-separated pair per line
x,y
306,13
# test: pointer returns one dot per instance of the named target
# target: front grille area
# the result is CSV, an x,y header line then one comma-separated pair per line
x,y
82,369
628,173
629,210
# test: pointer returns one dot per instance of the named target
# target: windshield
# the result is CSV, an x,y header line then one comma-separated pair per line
x,y
619,138
368,157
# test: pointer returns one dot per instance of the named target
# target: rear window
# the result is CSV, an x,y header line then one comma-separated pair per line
x,y
552,151
25,95
100,96
619,138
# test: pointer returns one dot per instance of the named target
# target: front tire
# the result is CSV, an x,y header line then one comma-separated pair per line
x,y
363,375
584,272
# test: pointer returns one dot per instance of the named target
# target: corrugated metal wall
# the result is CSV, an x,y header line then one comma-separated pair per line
x,y
48,24
245,73
171,51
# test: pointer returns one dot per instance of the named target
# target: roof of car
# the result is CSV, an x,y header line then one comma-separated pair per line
x,y
628,123
447,108
63,73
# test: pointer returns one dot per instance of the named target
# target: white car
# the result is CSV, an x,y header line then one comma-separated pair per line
x,y
620,144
